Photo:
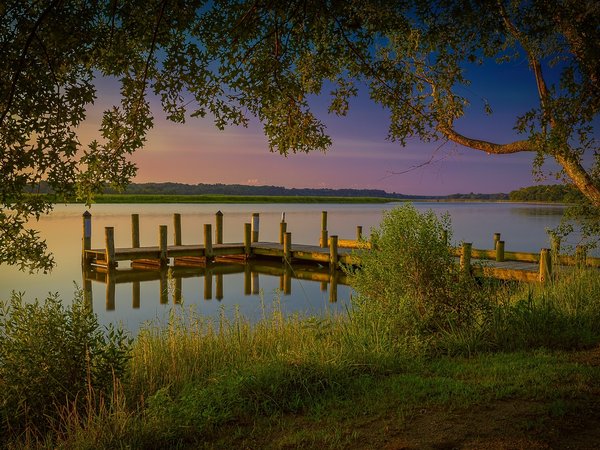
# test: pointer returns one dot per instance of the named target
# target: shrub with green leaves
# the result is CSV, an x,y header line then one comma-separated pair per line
x,y
53,358
410,280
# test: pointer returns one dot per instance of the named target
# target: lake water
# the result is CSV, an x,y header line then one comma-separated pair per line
x,y
251,290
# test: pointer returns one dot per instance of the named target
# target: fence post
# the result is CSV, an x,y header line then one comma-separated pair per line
x,y
358,232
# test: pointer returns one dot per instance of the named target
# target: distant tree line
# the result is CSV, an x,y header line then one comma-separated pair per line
x,y
543,193
559,193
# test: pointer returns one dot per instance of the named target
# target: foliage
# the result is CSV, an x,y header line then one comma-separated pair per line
x,y
411,279
562,193
54,358
237,59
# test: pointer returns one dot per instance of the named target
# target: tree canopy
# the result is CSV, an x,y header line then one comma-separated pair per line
x,y
237,59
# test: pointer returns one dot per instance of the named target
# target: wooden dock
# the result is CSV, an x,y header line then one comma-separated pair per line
x,y
331,251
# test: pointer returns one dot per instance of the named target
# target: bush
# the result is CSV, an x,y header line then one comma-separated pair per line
x,y
53,358
410,280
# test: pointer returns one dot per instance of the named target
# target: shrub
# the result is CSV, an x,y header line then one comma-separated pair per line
x,y
410,280
54,357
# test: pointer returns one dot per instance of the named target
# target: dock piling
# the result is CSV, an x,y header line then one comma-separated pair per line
x,y
282,231
465,257
255,226
162,245
545,274
287,247
323,241
333,252
177,229
208,249
135,231
500,251
247,239
358,232
109,241
86,240
219,227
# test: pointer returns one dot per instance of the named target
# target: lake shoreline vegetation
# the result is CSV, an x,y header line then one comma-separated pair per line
x,y
237,193
426,356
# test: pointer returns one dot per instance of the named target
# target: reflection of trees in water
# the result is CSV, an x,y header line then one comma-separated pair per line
x,y
539,211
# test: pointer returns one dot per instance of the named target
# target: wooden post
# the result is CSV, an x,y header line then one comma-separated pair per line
x,y
247,239
208,250
177,229
255,226
323,241
580,256
208,284
109,241
287,247
282,231
135,230
333,252
163,286
162,244
177,293
110,291
500,251
358,232
255,286
496,239
86,239
135,294
333,286
545,266
287,280
247,279
219,227
465,257
219,283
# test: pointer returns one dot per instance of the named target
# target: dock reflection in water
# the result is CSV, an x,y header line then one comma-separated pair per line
x,y
213,273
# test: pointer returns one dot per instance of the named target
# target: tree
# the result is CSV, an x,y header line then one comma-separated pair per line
x,y
236,59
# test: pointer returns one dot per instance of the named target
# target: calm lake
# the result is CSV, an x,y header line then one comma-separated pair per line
x,y
249,290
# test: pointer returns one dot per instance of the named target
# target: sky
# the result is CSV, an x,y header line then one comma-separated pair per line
x,y
360,157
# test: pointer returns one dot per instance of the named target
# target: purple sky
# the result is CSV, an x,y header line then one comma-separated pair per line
x,y
360,157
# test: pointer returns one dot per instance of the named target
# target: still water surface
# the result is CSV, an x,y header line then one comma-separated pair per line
x,y
523,228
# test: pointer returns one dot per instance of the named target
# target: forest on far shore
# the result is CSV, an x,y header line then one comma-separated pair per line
x,y
557,193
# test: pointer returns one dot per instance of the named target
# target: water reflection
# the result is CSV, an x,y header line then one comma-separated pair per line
x,y
213,274
540,210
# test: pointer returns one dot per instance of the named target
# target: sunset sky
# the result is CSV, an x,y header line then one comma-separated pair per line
x,y
361,157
